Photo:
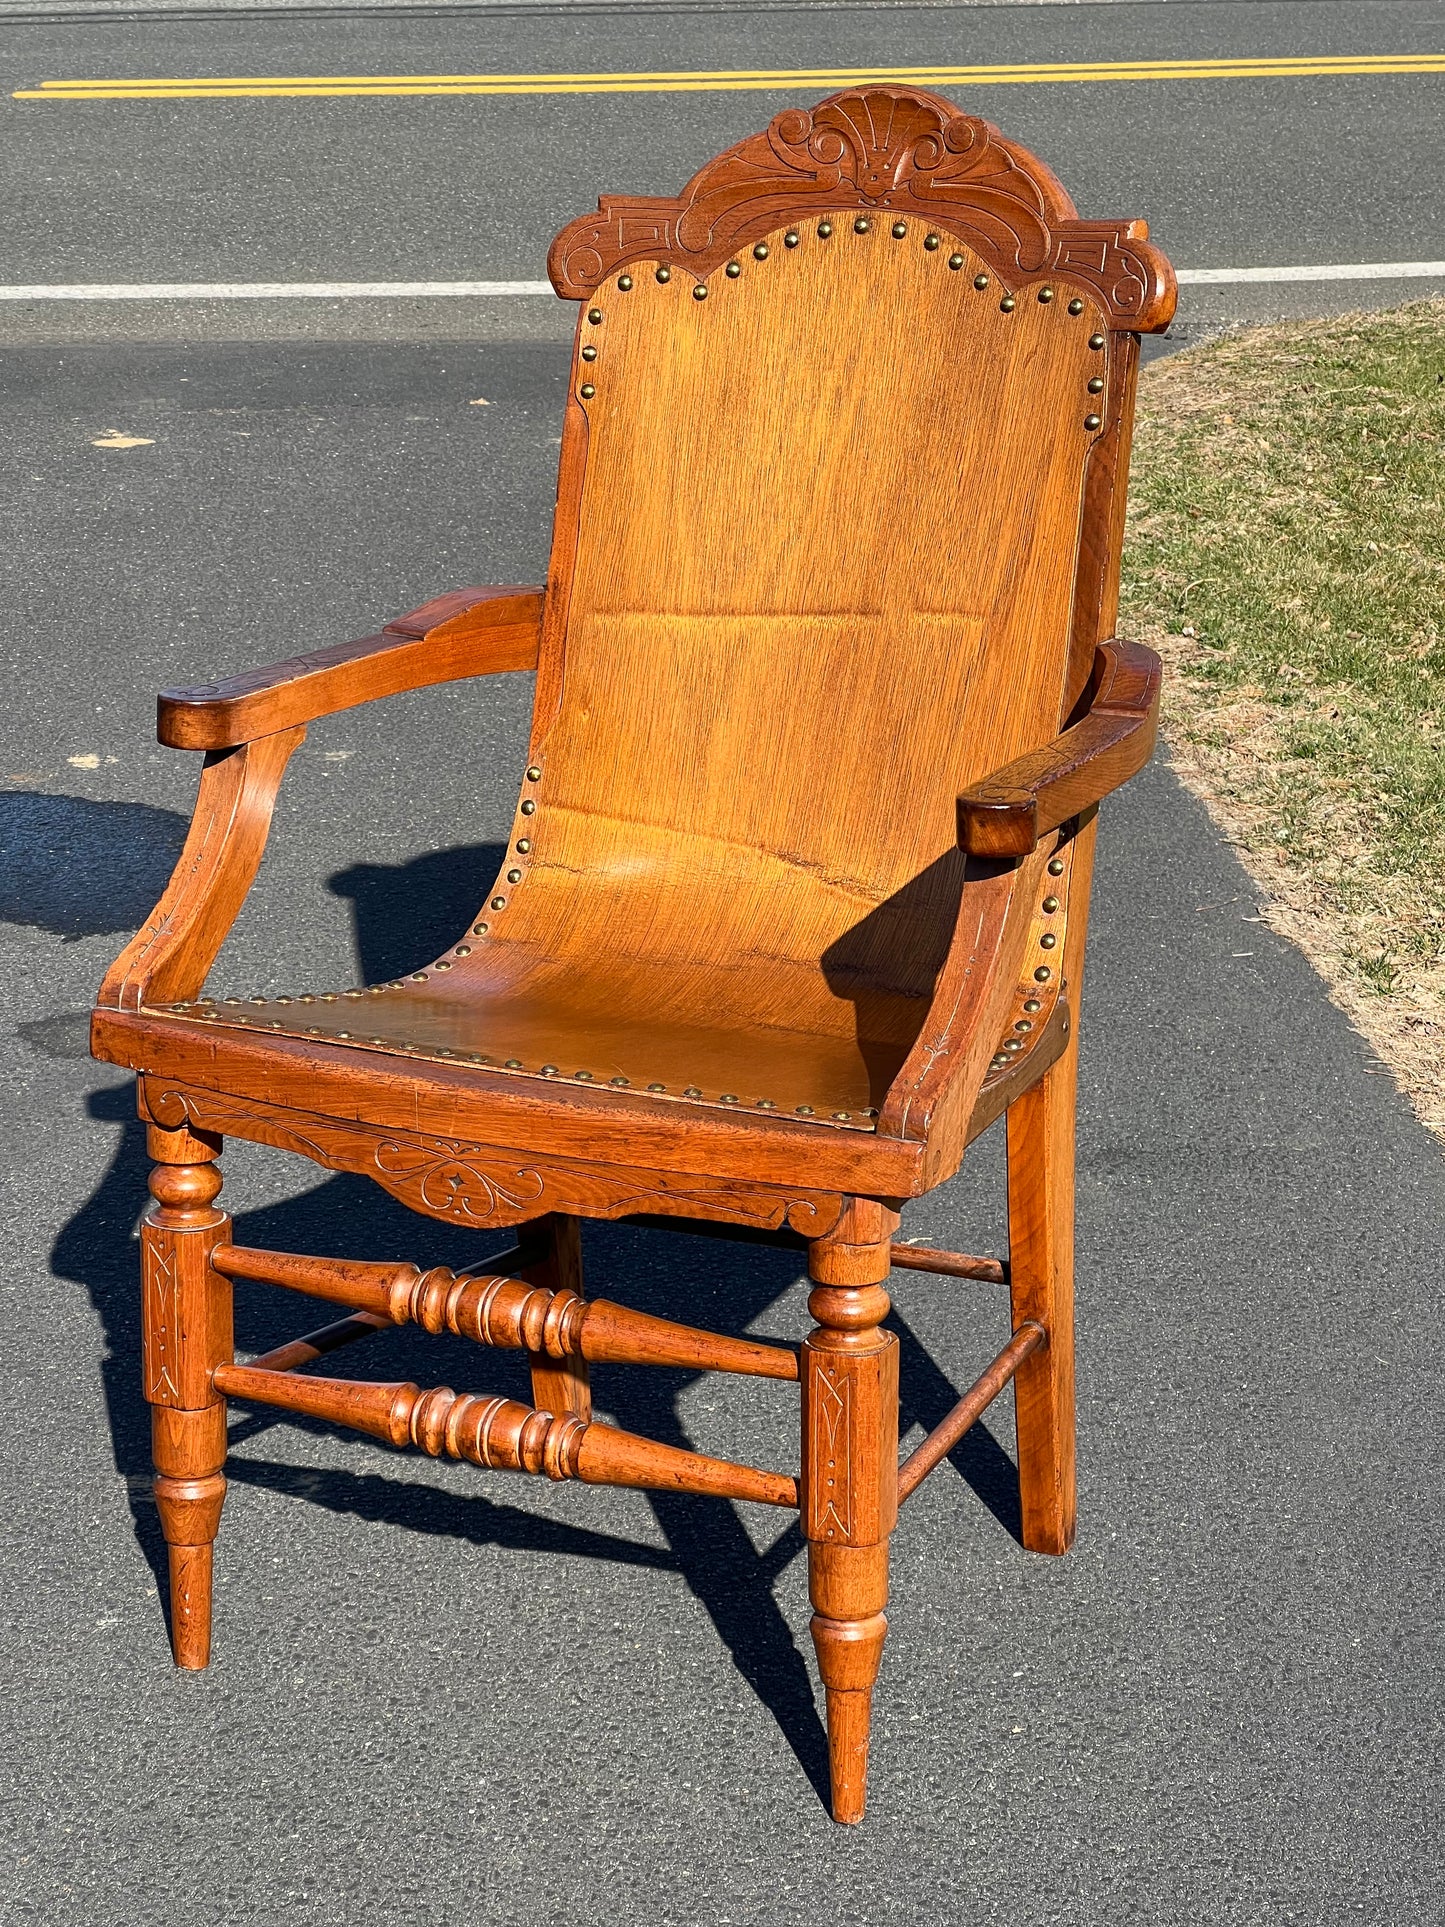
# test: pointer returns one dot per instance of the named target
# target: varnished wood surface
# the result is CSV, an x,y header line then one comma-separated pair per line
x,y
177,945
469,632
796,892
502,1434
883,154
969,1409
1007,813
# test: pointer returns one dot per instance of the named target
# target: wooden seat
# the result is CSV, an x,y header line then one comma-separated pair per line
x,y
796,891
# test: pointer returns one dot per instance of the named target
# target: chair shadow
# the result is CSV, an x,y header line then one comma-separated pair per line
x,y
402,913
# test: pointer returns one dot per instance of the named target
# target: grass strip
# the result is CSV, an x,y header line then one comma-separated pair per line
x,y
1286,556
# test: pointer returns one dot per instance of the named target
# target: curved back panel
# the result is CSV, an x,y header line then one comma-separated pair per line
x,y
816,565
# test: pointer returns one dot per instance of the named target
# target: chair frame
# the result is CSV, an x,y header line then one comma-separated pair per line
x,y
465,1145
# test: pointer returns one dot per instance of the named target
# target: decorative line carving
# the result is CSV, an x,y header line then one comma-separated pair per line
x,y
472,1183
831,1460
896,148
162,1319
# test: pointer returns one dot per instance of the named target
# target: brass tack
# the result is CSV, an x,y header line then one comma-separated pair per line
x,y
534,774
1050,904
1047,940
441,1050
900,229
372,990
1056,866
583,1077
1096,386
1042,974
418,976
955,261
1032,1003
1008,304
514,876
790,239
1076,306
549,1070
327,996
664,274
262,1000
1096,341
617,1080
313,1030
932,242
1023,1023
766,1104
345,993
699,293
514,1064
1091,421
872,1111
842,1116
499,903
825,228
378,1040
657,1087
624,281
727,1097
587,391
589,353
1046,295
441,966
733,270
1012,1044
275,1023
862,224
233,1000
279,1000
479,929
529,807
476,1057
463,950
760,252
343,1033
804,1110
692,1091
524,844
594,315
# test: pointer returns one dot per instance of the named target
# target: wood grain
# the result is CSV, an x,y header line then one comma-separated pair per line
x,y
885,153
1007,813
470,632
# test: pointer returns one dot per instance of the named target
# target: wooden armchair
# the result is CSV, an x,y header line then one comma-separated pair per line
x,y
795,898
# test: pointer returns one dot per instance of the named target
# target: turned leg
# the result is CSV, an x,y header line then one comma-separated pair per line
x,y
1041,1265
186,1327
850,1480
552,1254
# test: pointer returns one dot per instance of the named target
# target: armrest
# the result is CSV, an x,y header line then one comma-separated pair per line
x,y
1007,813
167,961
470,632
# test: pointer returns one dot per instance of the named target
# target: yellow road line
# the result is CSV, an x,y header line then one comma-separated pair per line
x,y
725,80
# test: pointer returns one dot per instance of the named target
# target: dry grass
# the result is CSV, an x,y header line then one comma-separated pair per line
x,y
1286,555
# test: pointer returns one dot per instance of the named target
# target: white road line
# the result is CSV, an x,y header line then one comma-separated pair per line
x,y
266,290
452,290
1339,271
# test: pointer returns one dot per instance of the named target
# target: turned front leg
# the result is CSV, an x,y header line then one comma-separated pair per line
x,y
186,1329
850,1480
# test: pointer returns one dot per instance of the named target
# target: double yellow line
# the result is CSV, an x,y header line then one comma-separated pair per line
x,y
724,80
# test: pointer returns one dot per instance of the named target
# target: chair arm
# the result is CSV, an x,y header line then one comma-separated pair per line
x,y
167,961
470,632
1007,813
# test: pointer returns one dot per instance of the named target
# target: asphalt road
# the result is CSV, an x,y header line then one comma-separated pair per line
x,y
446,1697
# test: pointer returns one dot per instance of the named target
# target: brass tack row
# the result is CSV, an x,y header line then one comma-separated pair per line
x,y
206,1008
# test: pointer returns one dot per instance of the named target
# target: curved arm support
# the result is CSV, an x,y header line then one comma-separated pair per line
x,y
167,962
1006,814
470,632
